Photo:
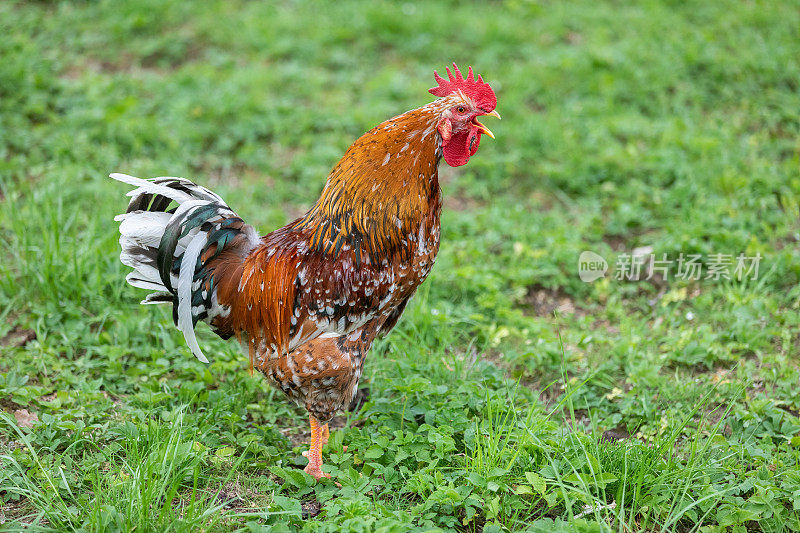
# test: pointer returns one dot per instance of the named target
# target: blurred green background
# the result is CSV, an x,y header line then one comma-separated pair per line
x,y
672,125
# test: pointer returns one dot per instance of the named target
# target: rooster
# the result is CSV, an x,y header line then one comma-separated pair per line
x,y
307,300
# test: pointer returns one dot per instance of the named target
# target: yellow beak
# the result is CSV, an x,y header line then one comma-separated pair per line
x,y
483,128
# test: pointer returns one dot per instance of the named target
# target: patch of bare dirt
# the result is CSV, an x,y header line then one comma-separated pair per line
x,y
574,38
535,105
550,394
14,511
789,409
617,434
298,436
25,419
543,201
607,326
18,337
7,445
159,62
545,302
618,243
9,406
192,51
310,509
624,242
232,495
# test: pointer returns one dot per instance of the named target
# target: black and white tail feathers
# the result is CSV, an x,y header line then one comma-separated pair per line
x,y
169,246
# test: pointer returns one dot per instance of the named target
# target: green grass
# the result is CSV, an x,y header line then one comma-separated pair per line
x,y
672,125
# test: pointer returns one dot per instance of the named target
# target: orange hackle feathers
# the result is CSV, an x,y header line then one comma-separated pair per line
x,y
379,190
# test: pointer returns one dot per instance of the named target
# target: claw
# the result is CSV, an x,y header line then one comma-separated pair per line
x,y
318,474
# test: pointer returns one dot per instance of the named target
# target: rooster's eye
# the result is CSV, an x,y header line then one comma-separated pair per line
x,y
461,109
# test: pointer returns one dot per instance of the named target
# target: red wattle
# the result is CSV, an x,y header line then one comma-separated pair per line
x,y
461,146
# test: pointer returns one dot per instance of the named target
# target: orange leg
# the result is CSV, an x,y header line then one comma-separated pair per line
x,y
326,433
319,435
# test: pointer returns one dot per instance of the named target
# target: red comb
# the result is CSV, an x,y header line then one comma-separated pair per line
x,y
478,90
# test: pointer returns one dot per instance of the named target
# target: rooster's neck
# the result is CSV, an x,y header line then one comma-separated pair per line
x,y
383,189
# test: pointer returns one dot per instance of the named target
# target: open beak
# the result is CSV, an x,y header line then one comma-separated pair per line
x,y
484,129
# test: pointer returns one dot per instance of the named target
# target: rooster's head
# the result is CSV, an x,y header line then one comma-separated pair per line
x,y
466,100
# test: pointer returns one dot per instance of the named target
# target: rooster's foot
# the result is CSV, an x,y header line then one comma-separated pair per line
x,y
316,473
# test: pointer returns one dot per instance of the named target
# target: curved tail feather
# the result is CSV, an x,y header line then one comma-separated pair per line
x,y
171,248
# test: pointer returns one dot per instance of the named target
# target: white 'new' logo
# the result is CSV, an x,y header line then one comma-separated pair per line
x,y
591,266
